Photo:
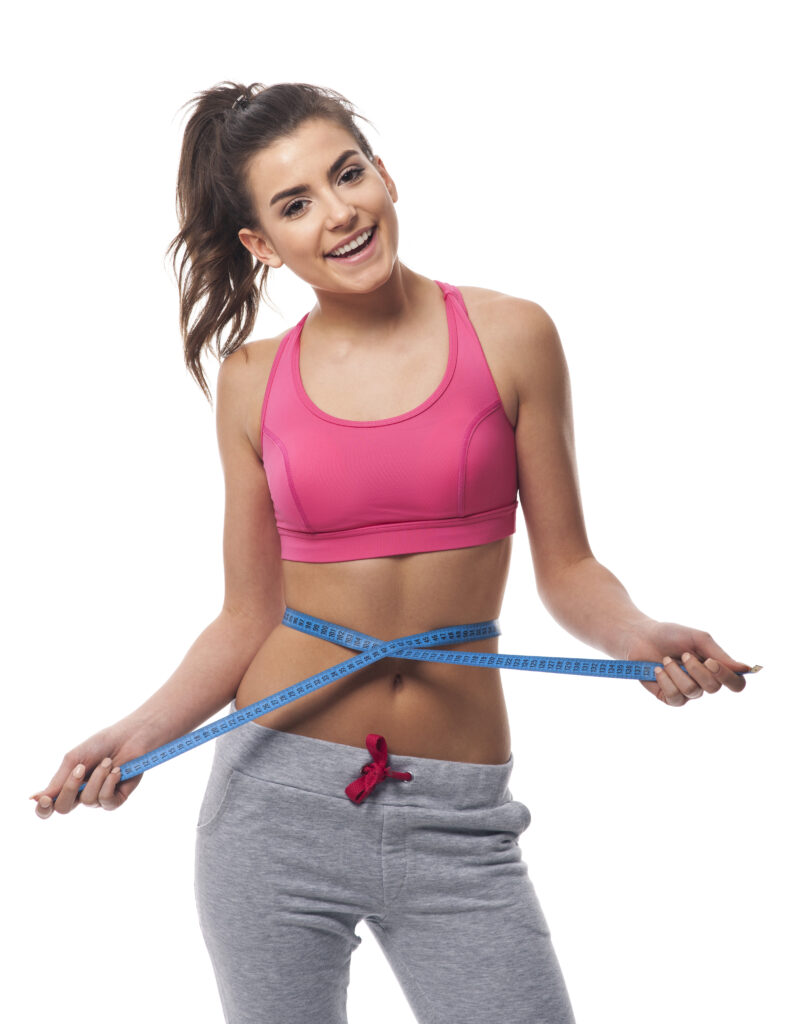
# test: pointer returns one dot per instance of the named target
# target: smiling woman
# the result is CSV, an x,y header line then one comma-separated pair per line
x,y
290,228
232,136
372,456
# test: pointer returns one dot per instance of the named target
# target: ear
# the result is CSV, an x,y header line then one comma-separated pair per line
x,y
260,248
388,181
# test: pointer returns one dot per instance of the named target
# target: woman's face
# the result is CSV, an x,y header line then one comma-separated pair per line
x,y
334,194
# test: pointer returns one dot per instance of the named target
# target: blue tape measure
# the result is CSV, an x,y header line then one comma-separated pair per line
x,y
415,647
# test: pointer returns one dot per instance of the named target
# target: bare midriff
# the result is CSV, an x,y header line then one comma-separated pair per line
x,y
423,709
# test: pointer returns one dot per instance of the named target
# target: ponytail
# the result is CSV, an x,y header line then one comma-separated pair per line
x,y
229,123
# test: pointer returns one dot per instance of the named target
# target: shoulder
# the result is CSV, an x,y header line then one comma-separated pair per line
x,y
247,361
520,333
242,381
519,320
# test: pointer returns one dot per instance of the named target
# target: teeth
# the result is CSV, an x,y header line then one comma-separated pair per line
x,y
352,245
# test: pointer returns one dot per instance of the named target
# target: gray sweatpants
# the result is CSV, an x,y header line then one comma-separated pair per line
x,y
287,865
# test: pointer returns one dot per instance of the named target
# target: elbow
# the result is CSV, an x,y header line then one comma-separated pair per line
x,y
257,621
552,581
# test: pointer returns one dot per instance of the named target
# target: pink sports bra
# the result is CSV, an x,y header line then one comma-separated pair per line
x,y
443,475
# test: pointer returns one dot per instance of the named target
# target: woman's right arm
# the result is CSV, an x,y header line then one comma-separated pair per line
x,y
208,676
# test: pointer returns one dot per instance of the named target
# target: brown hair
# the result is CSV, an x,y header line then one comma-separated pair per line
x,y
230,123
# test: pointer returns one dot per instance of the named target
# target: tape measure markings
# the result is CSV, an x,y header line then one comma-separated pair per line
x,y
415,647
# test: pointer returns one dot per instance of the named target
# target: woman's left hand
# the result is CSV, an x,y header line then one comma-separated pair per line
x,y
708,667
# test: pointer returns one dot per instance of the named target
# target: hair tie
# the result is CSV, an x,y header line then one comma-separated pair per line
x,y
240,102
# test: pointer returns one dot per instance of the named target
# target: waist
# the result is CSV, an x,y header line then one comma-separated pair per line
x,y
279,757
423,709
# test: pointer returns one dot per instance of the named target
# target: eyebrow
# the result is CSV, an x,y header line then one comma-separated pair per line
x,y
297,189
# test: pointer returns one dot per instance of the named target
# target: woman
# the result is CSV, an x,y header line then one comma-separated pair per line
x,y
372,458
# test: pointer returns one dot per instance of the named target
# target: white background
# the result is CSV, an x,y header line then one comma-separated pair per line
x,y
630,166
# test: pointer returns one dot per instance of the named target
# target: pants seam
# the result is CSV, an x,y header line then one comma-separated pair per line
x,y
391,898
383,861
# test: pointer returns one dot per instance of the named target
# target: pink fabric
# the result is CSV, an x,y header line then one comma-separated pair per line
x,y
443,475
374,772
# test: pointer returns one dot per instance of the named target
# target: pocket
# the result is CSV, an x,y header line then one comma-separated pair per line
x,y
216,796
508,821
521,816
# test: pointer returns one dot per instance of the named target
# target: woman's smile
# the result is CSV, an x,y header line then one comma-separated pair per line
x,y
357,251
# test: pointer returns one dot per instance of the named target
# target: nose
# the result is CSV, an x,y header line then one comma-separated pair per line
x,y
338,212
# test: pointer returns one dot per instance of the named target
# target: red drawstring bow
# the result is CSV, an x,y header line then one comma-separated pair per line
x,y
375,772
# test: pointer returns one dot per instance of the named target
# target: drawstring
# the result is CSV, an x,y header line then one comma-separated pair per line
x,y
375,772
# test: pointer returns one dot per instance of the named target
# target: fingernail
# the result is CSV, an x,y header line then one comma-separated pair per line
x,y
667,660
711,665
686,656
106,762
44,802
78,773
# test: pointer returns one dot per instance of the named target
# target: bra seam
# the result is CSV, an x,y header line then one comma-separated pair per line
x,y
468,435
288,470
416,524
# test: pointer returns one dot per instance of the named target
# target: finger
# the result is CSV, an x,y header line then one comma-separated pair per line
x,y
709,648
701,675
672,694
44,807
683,680
725,676
113,794
45,798
65,801
89,794
128,786
107,796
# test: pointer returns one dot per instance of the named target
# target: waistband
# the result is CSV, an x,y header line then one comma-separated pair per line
x,y
321,766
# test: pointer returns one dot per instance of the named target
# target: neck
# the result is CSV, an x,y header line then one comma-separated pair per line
x,y
390,306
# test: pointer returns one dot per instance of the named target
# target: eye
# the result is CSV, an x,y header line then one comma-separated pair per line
x,y
291,210
296,207
357,171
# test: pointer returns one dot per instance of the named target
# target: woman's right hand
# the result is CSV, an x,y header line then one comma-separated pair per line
x,y
100,757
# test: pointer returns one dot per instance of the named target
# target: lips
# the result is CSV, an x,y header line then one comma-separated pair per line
x,y
350,238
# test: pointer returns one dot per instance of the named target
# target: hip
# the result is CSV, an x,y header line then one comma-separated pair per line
x,y
322,766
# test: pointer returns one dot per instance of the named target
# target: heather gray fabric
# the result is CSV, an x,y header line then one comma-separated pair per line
x,y
287,865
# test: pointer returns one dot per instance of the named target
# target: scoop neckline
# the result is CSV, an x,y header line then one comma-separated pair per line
x,y
436,394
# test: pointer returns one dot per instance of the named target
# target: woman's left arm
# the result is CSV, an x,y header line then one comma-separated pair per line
x,y
582,595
